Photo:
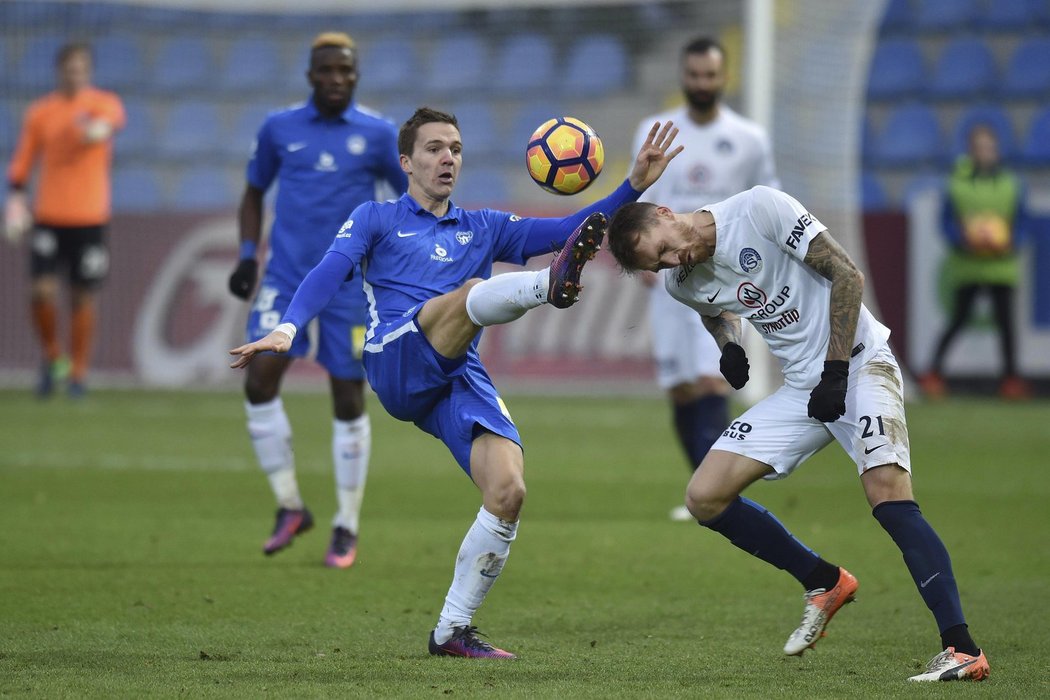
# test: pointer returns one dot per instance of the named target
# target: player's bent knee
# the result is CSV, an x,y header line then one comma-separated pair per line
x,y
704,505
260,389
505,501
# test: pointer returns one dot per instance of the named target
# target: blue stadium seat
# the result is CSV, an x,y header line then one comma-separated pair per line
x,y
388,65
244,128
911,136
964,69
1036,150
596,65
896,17
119,63
944,15
184,63
8,130
23,14
1028,72
996,118
138,138
867,140
136,189
482,186
252,64
34,71
921,183
1013,15
527,119
192,130
872,193
478,127
204,189
897,70
458,62
525,65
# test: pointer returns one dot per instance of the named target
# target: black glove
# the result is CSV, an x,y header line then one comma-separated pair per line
x,y
827,401
734,365
242,281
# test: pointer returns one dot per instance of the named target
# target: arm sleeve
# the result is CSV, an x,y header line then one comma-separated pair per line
x,y
540,236
950,222
26,151
318,288
265,159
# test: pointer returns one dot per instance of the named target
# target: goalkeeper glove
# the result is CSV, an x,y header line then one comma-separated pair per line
x,y
827,401
734,365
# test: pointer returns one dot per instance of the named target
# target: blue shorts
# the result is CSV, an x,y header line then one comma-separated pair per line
x,y
341,326
416,384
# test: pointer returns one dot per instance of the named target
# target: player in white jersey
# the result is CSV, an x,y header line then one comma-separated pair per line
x,y
724,154
761,256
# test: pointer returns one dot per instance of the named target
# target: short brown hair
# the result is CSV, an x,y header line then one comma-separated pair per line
x,y
624,231
406,137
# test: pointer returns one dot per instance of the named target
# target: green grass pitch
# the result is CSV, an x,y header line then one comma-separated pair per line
x,y
130,564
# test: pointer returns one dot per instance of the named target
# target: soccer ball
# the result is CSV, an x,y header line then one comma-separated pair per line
x,y
564,155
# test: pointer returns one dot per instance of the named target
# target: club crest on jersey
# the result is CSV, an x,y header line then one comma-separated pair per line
x,y
464,237
356,144
326,163
750,260
440,254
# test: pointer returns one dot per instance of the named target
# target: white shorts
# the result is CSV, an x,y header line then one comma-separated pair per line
x,y
683,349
776,431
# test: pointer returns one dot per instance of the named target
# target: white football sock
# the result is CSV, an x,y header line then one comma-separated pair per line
x,y
481,557
351,447
506,297
271,436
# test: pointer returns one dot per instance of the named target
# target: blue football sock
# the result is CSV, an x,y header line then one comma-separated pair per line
x,y
926,558
699,423
755,530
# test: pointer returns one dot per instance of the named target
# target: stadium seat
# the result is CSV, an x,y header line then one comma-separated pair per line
x,y
896,17
184,63
138,138
992,115
1028,72
482,186
922,183
872,193
944,15
1013,15
910,137
459,61
119,63
136,189
252,64
204,189
526,121
525,65
34,71
867,140
192,130
8,130
964,69
596,65
1036,150
24,14
897,70
388,65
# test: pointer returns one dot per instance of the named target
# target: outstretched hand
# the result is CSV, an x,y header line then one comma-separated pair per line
x,y
276,341
653,156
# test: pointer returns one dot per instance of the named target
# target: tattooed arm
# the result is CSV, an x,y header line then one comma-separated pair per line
x,y
725,327
830,261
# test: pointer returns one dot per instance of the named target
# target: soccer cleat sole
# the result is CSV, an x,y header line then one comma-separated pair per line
x,y
565,292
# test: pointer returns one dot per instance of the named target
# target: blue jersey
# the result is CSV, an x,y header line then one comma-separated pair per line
x,y
326,167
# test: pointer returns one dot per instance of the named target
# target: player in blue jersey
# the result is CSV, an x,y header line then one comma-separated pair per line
x,y
328,155
427,266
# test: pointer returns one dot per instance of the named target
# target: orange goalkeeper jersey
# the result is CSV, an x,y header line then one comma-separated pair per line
x,y
73,188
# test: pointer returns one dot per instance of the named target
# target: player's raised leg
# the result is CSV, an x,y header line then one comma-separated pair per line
x,y
271,436
713,497
497,468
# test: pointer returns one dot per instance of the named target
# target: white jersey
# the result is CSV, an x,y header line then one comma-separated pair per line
x,y
721,158
757,272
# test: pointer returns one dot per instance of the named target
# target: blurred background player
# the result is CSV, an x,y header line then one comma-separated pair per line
x,y
69,133
724,154
428,265
328,156
984,221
